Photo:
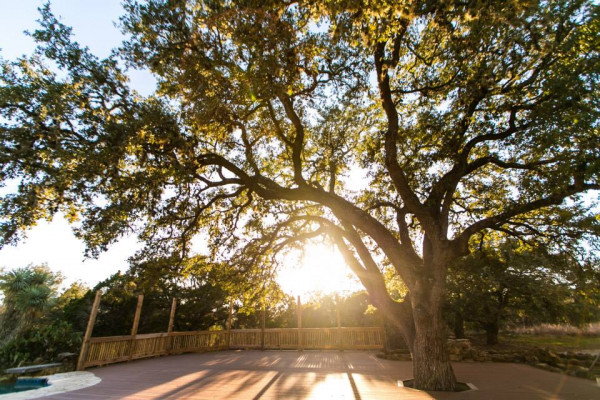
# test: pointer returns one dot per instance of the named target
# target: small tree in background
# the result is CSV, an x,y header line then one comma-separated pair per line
x,y
505,281
28,294
33,325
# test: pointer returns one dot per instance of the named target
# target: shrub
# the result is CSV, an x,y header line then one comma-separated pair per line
x,y
40,344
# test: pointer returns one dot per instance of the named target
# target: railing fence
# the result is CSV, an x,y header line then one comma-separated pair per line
x,y
107,350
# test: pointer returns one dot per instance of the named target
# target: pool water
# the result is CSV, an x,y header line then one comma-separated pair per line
x,y
10,388
22,385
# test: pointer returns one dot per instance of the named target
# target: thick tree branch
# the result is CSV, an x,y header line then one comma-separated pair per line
x,y
248,150
398,312
402,257
277,125
403,230
461,242
444,189
369,274
298,143
397,175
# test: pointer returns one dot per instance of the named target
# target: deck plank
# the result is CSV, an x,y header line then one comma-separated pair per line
x,y
352,375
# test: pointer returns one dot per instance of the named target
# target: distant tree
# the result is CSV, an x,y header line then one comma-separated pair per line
x,y
584,307
318,311
504,281
203,291
461,116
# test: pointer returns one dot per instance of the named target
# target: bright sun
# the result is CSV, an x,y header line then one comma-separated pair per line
x,y
321,269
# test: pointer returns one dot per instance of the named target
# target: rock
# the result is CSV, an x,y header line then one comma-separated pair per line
x,y
500,358
584,356
548,367
575,362
65,356
547,357
460,349
472,352
580,372
509,357
32,368
583,374
482,356
395,356
553,358
531,359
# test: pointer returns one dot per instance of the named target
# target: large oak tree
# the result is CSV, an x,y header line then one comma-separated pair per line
x,y
456,117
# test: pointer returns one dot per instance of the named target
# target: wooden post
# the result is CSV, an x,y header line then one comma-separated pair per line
x,y
136,322
85,346
229,323
262,327
172,316
170,327
299,312
339,322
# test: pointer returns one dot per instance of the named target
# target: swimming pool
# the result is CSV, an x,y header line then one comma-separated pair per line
x,y
23,384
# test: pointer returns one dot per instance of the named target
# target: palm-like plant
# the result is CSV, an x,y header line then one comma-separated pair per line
x,y
28,292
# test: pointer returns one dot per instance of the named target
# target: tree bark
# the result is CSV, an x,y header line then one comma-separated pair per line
x,y
419,317
459,325
431,364
424,330
491,333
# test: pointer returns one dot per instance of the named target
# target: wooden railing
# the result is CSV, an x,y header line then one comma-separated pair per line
x,y
108,350
359,338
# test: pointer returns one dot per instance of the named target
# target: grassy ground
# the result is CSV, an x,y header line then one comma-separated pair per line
x,y
516,342
558,343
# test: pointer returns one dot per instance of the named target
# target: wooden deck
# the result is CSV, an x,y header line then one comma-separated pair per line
x,y
314,375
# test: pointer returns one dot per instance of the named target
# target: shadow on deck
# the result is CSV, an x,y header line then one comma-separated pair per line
x,y
314,375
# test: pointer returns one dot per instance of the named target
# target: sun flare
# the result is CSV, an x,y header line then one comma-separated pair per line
x,y
320,269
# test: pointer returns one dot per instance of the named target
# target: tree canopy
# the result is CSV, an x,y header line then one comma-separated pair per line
x,y
507,282
398,130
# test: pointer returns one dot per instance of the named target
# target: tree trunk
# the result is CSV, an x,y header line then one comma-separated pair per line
x,y
431,364
459,325
427,343
491,333
419,319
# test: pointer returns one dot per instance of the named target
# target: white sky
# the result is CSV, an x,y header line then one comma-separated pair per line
x,y
53,242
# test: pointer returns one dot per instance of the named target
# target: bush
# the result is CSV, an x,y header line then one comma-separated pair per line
x,y
40,344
